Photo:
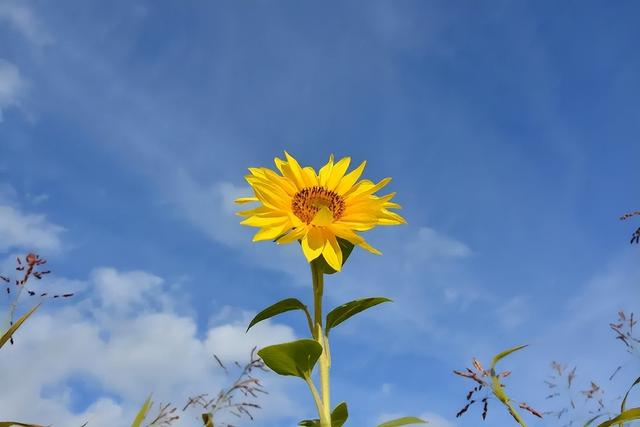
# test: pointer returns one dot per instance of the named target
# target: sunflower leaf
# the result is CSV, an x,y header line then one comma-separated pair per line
x,y
339,416
345,246
296,358
402,422
351,308
7,335
280,307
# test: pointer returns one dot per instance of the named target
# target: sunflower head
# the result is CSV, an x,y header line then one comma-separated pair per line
x,y
320,210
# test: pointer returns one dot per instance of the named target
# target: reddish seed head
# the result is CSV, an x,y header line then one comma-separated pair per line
x,y
32,258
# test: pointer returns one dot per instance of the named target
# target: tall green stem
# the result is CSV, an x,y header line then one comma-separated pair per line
x,y
319,335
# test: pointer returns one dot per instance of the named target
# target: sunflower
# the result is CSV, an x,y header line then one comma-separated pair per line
x,y
317,209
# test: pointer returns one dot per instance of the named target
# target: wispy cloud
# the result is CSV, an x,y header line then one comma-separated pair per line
x,y
29,231
20,16
430,245
12,86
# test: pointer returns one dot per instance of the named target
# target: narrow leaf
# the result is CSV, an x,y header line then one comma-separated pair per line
x,y
504,354
142,413
13,423
280,307
347,310
591,420
310,423
296,358
402,422
624,401
7,335
628,415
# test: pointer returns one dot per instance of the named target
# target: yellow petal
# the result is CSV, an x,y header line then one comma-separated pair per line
x,y
349,179
332,252
242,200
295,168
292,236
325,172
287,185
268,198
322,217
285,169
310,178
269,233
256,221
313,243
368,247
337,172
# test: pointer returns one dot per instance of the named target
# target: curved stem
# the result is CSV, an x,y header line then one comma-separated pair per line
x,y
314,392
319,335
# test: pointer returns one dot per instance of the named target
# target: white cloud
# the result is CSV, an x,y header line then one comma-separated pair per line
x,y
230,342
23,20
430,245
131,344
19,230
12,86
125,291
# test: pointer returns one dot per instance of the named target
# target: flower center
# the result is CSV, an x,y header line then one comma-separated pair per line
x,y
310,200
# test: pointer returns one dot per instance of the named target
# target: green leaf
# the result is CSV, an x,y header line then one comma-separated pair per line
x,y
345,246
142,413
504,354
7,335
591,420
207,420
339,416
296,358
402,422
13,423
280,307
624,401
628,415
345,311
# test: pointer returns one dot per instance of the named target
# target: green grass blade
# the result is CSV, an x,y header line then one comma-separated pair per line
x,y
142,413
591,420
7,335
402,422
504,354
628,415
624,401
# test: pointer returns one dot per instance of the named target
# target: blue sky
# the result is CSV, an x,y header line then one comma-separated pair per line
x,y
510,130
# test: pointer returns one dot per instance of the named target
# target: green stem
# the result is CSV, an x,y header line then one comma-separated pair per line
x,y
314,393
319,335
498,392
